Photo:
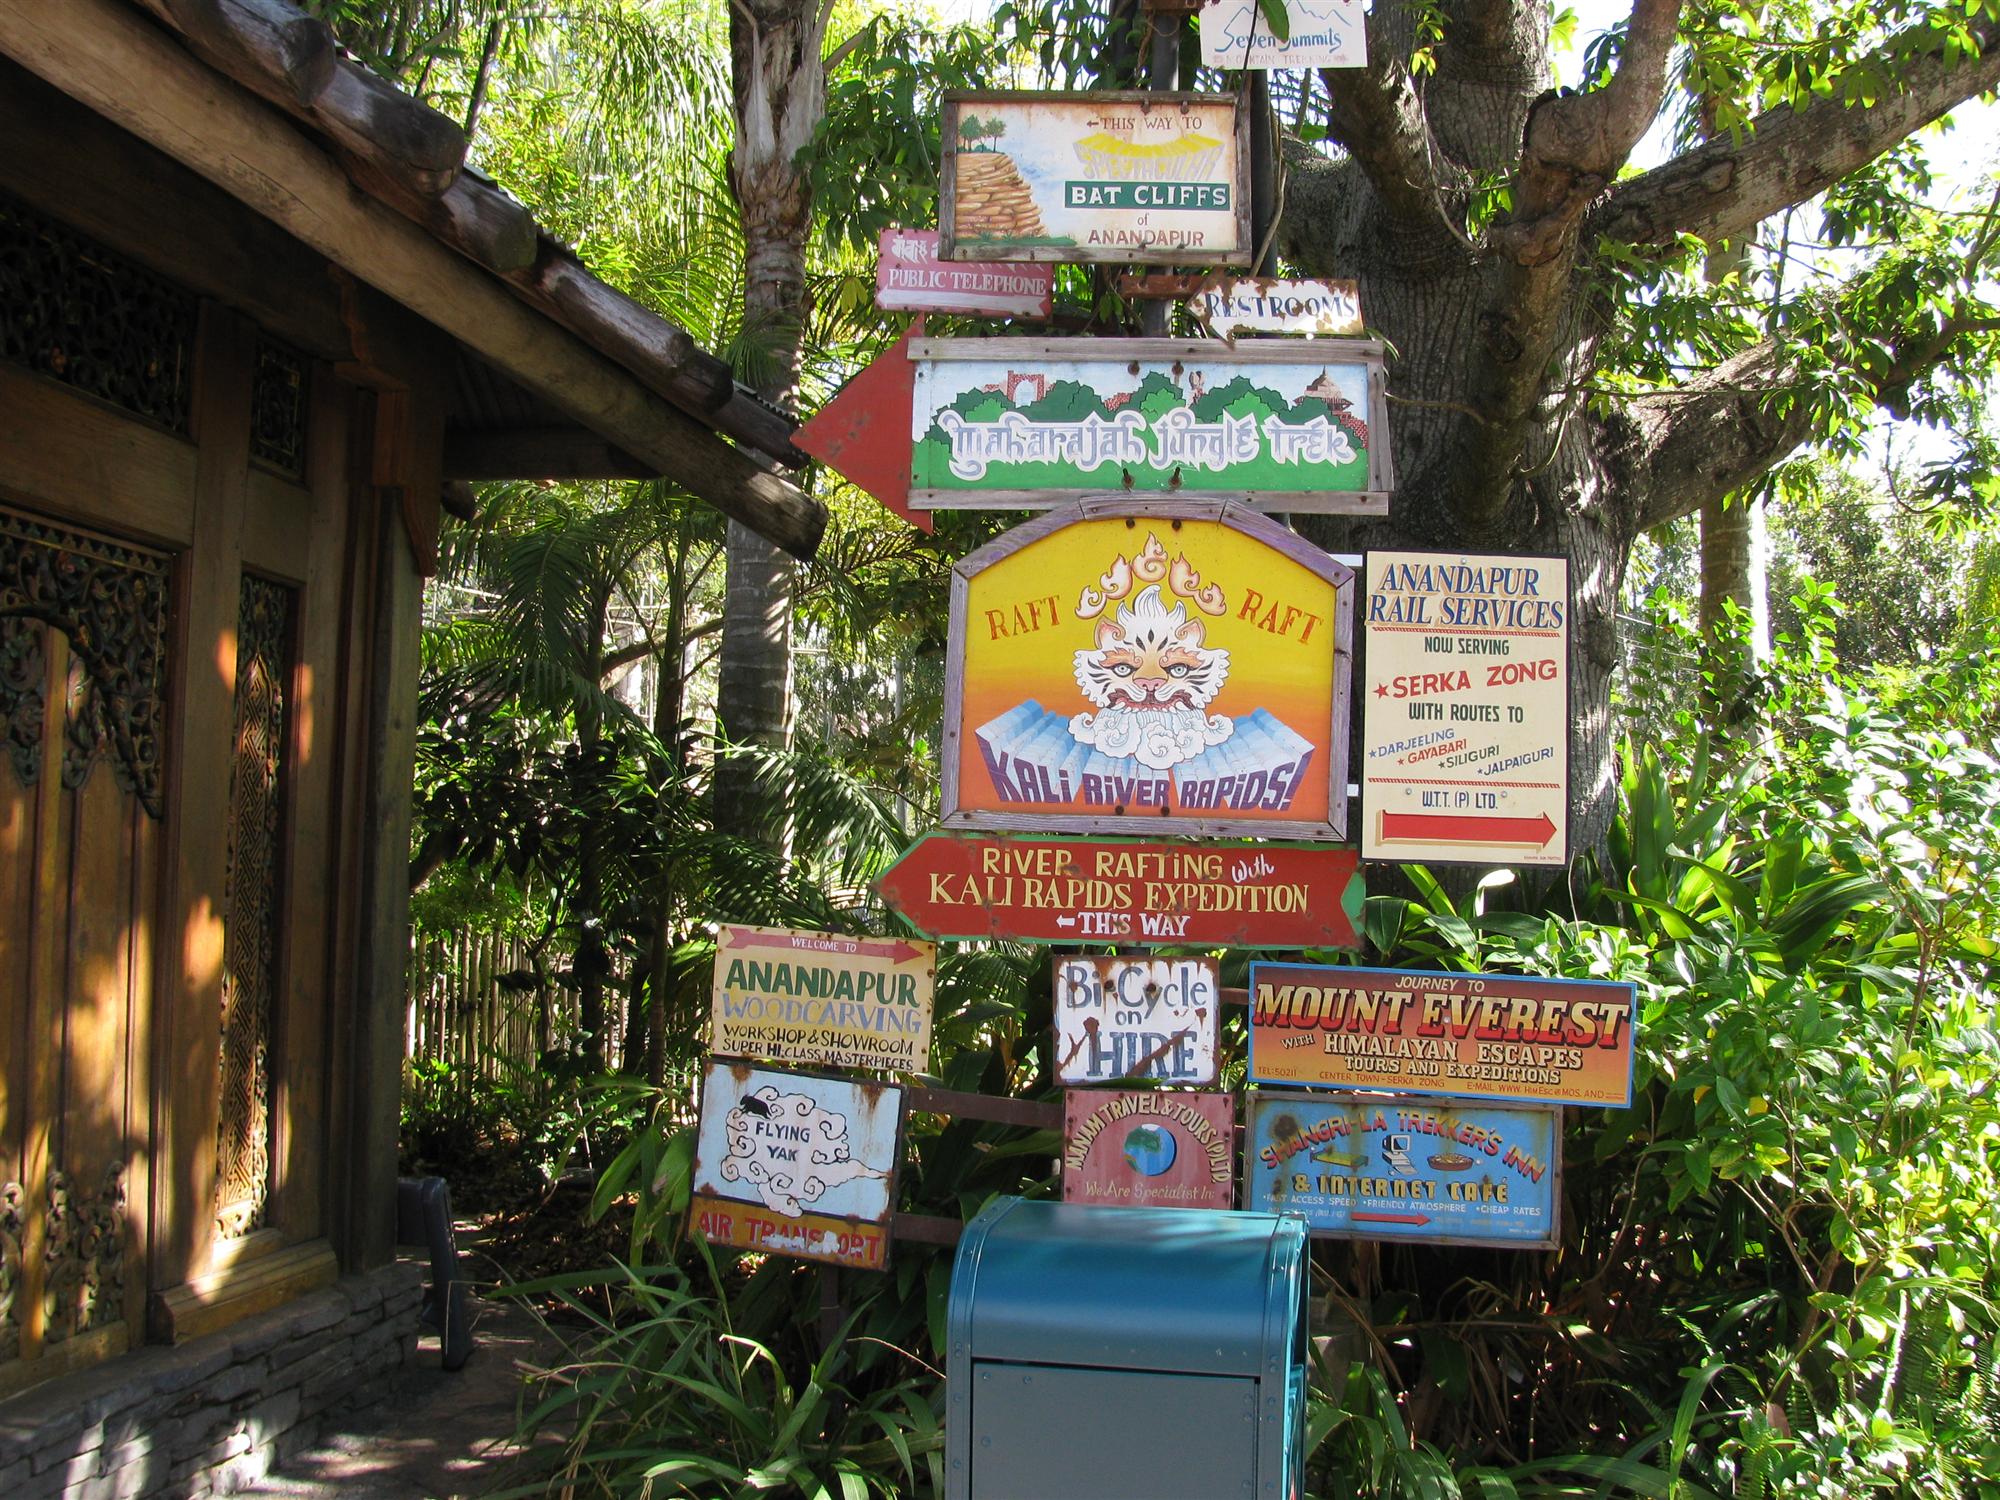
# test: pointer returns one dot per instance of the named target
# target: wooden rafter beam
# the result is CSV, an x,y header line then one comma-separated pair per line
x,y
121,65
537,453
408,155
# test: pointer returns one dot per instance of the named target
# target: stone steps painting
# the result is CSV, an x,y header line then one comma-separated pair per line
x,y
1034,760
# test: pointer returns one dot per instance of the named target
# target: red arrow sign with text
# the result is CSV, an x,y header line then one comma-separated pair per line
x,y
1052,890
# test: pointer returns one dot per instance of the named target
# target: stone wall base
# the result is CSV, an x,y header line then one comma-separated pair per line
x,y
215,1414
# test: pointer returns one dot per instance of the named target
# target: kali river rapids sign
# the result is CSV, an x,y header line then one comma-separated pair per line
x,y
791,1164
1133,177
1486,1036
1010,423
1388,1167
1465,723
822,999
1049,890
1119,666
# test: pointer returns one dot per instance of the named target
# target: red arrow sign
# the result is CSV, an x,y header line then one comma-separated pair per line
x,y
1467,828
1052,890
1367,1218
864,432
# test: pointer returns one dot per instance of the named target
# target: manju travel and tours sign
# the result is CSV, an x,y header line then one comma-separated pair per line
x,y
1131,177
1133,667
1053,890
1465,719
1136,1018
1486,1036
1010,423
792,1164
822,999
1385,1167
1154,1149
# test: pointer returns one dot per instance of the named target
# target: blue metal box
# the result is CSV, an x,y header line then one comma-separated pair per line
x,y
1126,1354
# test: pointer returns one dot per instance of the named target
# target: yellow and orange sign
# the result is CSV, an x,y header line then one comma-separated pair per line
x,y
1149,668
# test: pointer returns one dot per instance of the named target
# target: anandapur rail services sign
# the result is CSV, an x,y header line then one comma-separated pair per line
x,y
823,999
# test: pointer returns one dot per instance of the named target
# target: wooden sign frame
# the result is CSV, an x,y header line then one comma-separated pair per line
x,y
1382,1225
1147,821
957,103
1135,361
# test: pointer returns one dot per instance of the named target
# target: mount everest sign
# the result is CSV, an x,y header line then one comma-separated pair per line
x,y
1009,423
1134,666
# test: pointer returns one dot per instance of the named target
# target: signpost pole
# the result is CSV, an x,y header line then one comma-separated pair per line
x,y
1162,73
1263,175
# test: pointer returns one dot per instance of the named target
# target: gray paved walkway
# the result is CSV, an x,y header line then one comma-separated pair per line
x,y
437,1435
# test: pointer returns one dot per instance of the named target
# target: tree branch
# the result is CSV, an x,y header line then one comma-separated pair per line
x,y
1723,189
1722,431
1573,145
1377,115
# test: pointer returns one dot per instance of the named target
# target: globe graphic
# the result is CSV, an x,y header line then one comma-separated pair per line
x,y
1149,1150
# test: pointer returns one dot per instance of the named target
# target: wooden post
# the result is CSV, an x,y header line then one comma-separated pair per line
x,y
1263,174
1162,73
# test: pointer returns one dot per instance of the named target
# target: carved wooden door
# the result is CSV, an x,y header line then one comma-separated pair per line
x,y
83,676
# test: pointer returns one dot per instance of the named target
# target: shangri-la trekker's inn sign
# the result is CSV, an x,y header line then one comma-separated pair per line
x,y
1010,423
1121,666
1123,177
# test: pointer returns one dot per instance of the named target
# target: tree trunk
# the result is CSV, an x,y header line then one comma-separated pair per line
x,y
1496,329
780,96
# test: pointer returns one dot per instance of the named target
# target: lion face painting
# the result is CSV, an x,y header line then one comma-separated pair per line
x,y
1152,680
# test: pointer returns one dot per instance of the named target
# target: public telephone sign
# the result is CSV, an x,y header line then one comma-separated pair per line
x,y
1465,708
1134,666
1482,1036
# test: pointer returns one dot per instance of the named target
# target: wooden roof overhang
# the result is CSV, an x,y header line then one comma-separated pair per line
x,y
556,374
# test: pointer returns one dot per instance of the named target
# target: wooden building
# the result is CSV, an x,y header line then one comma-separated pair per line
x,y
256,318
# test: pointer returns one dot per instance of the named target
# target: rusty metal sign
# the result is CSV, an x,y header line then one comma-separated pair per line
x,y
909,277
1053,890
1158,1149
1136,1018
795,1164
1265,305
822,999
1390,1167
1481,1036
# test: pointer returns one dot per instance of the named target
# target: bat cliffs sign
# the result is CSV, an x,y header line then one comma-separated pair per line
x,y
1125,666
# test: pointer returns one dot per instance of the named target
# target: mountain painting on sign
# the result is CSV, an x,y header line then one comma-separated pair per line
x,y
1018,422
1113,665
